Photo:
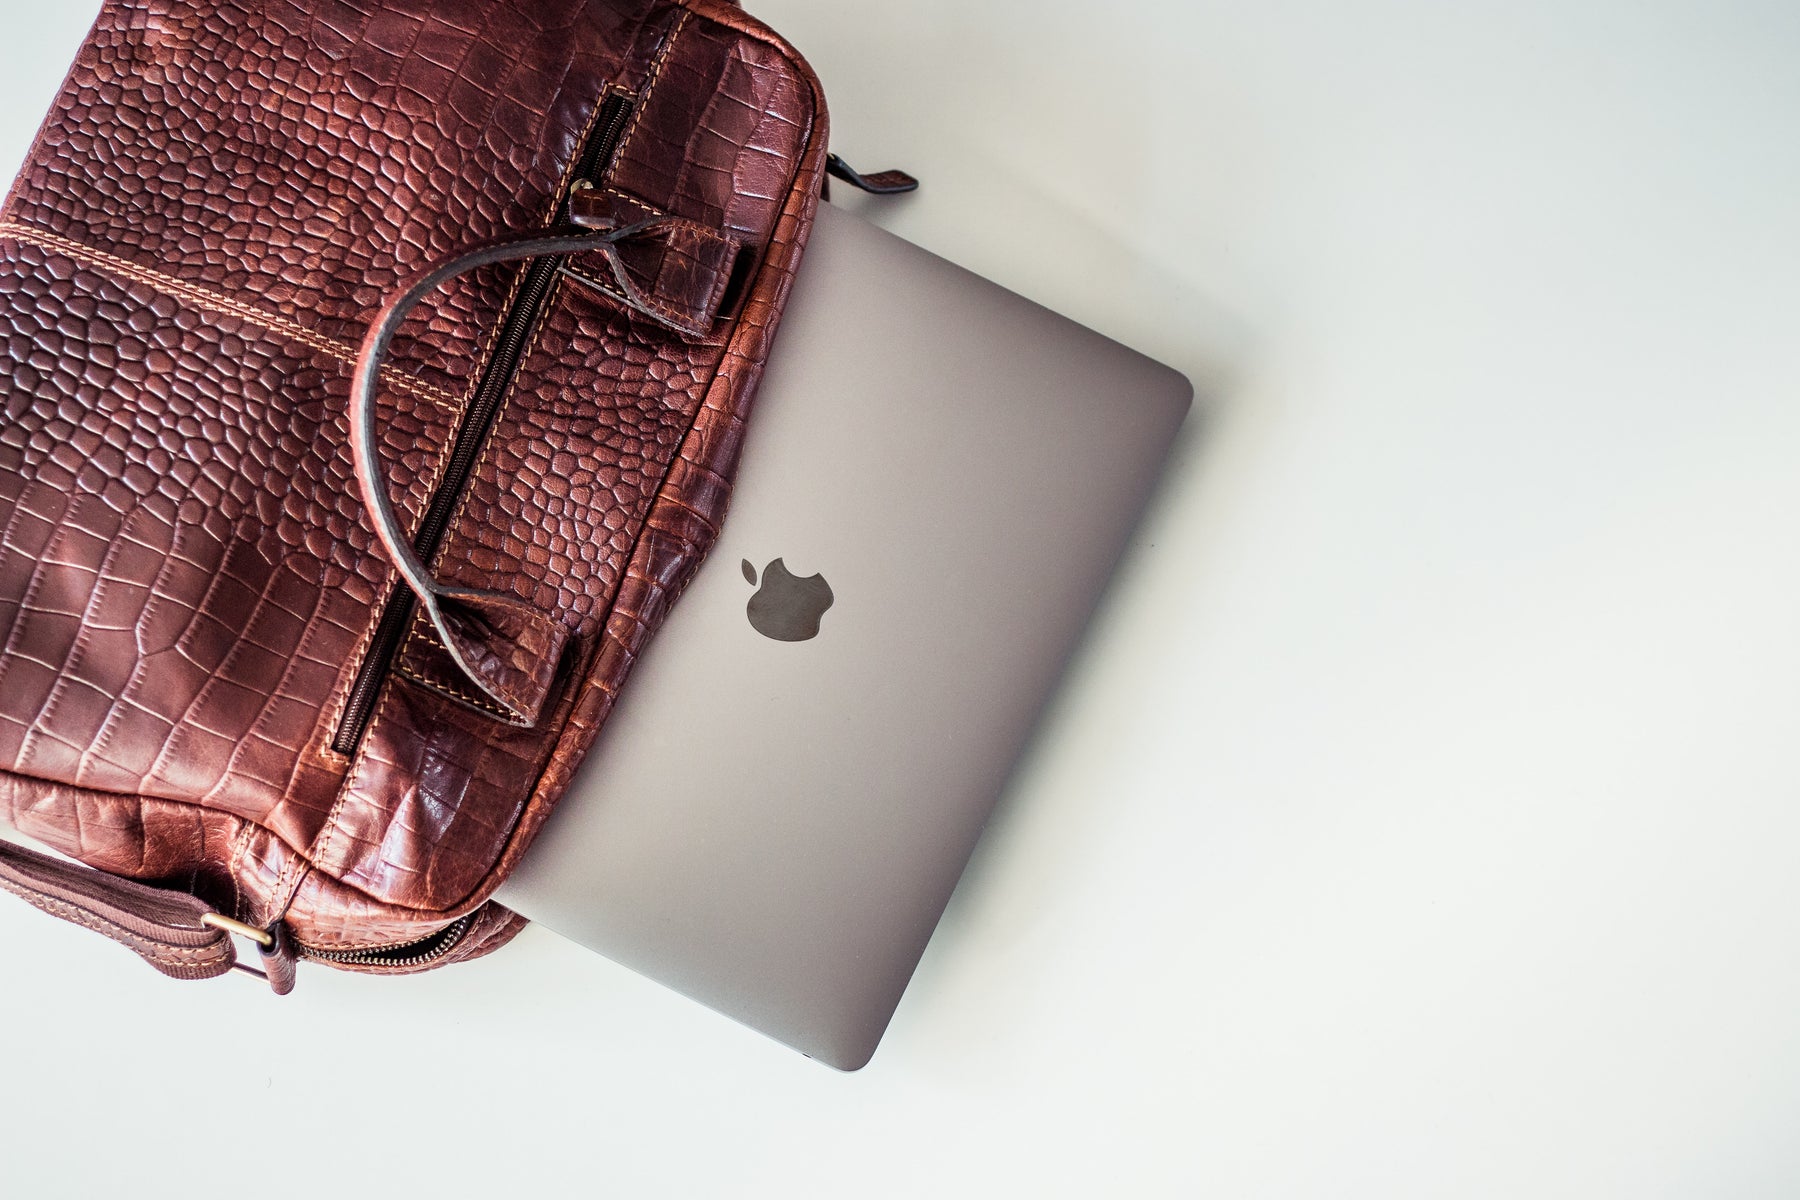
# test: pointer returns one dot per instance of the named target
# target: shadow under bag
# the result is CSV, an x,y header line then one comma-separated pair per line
x,y
372,377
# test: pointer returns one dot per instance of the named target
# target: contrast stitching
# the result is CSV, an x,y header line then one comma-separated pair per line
x,y
280,842
382,597
239,844
475,474
674,315
500,411
487,355
587,131
643,104
487,706
187,957
795,208
680,324
412,636
631,199
214,302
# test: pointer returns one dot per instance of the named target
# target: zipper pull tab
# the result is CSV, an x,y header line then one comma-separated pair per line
x,y
878,183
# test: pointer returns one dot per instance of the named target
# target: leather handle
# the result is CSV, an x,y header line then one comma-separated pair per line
x,y
508,649
168,930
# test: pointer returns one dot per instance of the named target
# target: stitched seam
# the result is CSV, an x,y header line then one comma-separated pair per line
x,y
587,132
524,268
657,497
787,210
443,464
631,199
649,301
486,706
413,635
379,606
235,864
169,956
806,146
668,313
681,324
548,220
281,892
174,802
500,410
643,105
598,284
674,315
281,842
213,301
715,299
761,33
328,832
487,451
518,284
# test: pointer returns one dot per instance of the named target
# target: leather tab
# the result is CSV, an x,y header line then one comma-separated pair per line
x,y
507,648
669,268
879,183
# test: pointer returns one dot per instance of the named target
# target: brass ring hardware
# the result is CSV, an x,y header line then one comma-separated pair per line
x,y
261,937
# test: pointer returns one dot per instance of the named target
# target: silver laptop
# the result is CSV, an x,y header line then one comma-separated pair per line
x,y
938,479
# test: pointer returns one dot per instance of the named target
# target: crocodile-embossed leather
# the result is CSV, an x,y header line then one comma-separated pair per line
x,y
224,194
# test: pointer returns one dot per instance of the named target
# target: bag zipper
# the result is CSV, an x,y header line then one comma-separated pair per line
x,y
415,953
515,333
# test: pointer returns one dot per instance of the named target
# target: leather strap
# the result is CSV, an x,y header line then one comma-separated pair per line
x,y
166,929
508,649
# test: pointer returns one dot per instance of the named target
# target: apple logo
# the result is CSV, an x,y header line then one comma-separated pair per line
x,y
787,607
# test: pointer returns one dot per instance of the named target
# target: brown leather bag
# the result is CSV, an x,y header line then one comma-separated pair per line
x,y
374,376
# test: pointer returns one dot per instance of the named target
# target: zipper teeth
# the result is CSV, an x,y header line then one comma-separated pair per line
x,y
397,616
440,943
521,318
613,111
487,401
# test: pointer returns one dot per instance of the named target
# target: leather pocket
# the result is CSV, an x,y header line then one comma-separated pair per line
x,y
512,342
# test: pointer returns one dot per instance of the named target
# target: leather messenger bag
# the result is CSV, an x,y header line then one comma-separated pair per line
x,y
372,376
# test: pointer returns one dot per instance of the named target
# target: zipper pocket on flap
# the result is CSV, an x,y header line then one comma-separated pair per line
x,y
516,327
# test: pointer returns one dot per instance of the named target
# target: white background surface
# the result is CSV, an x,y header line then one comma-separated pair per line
x,y
1421,819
